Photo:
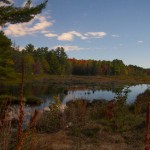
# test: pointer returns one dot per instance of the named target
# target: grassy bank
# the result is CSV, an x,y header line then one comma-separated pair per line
x,y
31,100
91,80
99,125
79,80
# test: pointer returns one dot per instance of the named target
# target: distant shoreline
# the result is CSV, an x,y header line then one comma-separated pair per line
x,y
79,80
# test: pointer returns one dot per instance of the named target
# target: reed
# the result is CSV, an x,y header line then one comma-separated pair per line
x,y
147,127
21,113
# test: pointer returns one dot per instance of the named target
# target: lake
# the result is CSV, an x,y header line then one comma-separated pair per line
x,y
47,92
65,94
91,94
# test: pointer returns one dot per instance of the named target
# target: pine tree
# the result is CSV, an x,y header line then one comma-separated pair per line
x,y
6,62
9,13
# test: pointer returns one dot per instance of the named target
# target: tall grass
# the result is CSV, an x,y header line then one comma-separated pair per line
x,y
21,113
5,127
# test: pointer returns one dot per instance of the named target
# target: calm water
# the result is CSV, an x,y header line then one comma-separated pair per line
x,y
104,94
46,93
87,93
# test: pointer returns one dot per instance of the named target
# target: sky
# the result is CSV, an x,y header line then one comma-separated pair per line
x,y
90,29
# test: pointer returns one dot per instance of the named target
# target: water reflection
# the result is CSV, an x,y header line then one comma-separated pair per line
x,y
135,91
89,95
47,92
65,94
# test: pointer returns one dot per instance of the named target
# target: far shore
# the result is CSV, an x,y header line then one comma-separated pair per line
x,y
79,80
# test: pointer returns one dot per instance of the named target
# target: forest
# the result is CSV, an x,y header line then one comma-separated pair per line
x,y
43,60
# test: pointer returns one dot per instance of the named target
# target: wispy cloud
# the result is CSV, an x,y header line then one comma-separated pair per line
x,y
69,36
45,32
140,42
70,47
37,25
66,37
51,35
115,35
95,34
41,23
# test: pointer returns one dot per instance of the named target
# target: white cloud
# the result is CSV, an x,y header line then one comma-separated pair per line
x,y
43,24
95,34
44,31
78,35
69,36
66,37
140,42
51,35
40,24
72,48
69,47
36,25
114,35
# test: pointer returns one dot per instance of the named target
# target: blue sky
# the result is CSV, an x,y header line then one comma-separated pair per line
x,y
91,29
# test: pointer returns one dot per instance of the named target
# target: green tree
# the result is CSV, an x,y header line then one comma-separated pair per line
x,y
53,62
28,63
41,52
9,13
45,65
29,49
6,62
118,67
62,58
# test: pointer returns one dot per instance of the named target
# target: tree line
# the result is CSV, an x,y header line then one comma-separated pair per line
x,y
55,61
44,61
109,68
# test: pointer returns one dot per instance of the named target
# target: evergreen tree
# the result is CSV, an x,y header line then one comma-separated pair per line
x,y
53,63
6,62
29,49
9,13
62,58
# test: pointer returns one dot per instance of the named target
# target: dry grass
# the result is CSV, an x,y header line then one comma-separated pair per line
x,y
5,137
82,127
81,132
103,141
